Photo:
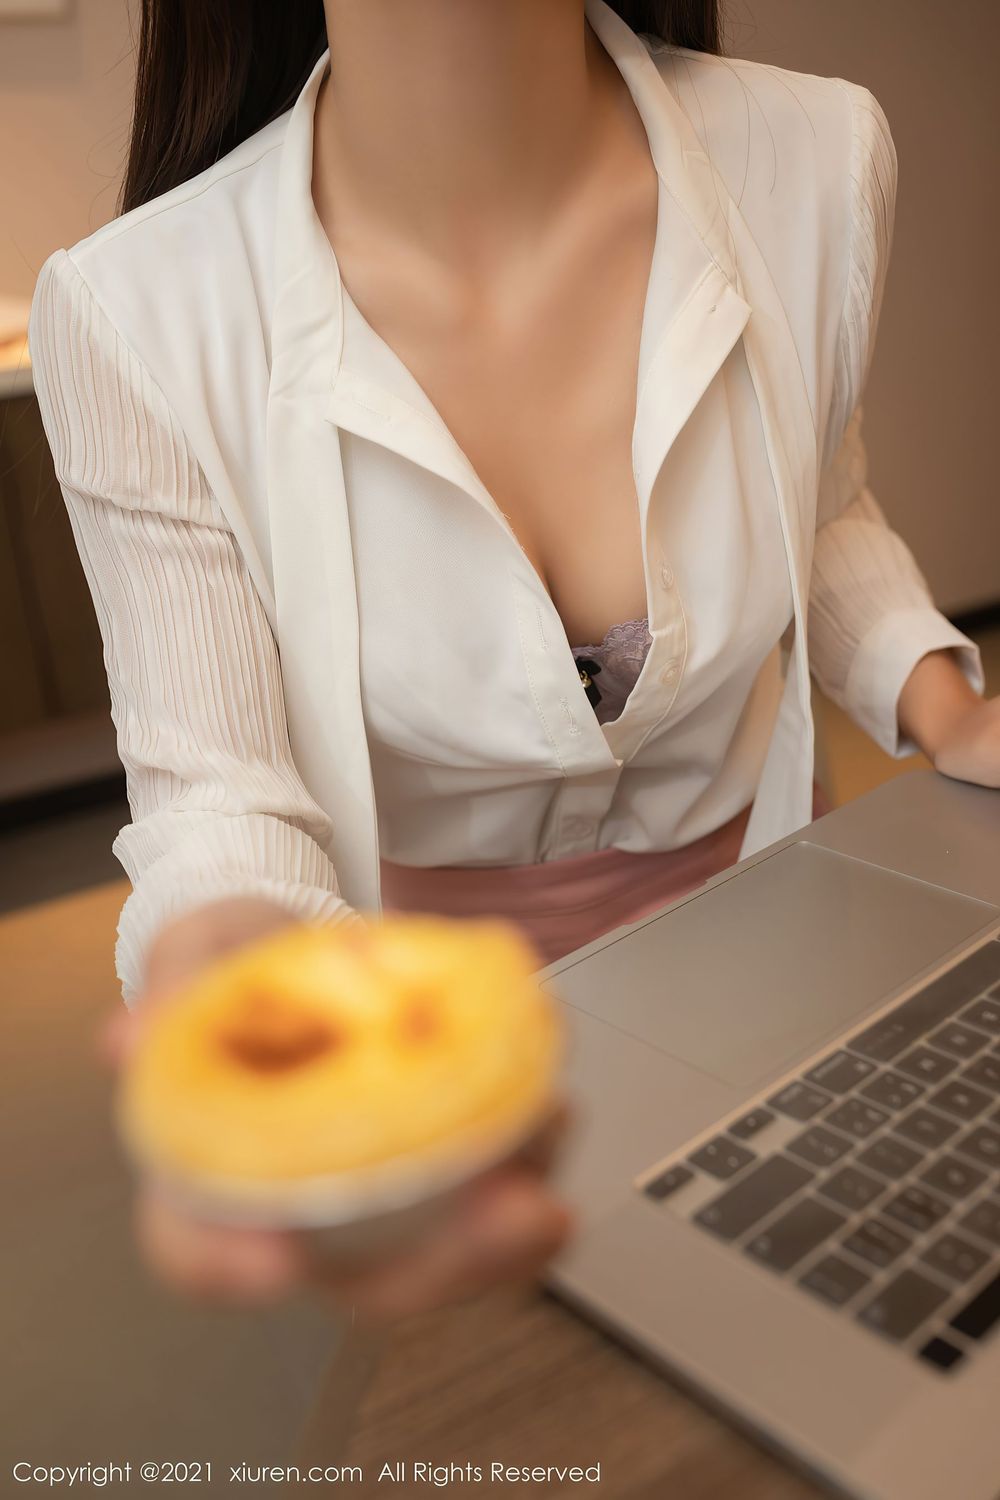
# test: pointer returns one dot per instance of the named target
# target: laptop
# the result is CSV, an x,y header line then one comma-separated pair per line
x,y
786,1161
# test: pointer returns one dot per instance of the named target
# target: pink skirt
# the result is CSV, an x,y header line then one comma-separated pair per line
x,y
562,904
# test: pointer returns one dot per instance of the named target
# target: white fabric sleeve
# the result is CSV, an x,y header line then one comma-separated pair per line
x,y
871,613
217,806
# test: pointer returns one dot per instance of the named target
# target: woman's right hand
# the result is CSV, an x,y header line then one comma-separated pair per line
x,y
503,1227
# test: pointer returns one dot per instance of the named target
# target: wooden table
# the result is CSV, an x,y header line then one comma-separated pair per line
x,y
512,1378
516,1378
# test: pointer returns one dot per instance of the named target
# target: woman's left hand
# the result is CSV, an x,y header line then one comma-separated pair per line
x,y
970,749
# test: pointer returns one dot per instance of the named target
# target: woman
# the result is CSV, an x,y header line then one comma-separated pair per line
x,y
497,335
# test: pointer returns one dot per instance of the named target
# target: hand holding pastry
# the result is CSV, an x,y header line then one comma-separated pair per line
x,y
368,1108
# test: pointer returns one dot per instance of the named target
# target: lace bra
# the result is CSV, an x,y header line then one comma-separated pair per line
x,y
616,662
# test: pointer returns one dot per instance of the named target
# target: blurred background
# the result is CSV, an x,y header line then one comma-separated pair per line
x,y
66,76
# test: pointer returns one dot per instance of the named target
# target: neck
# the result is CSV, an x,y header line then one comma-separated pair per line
x,y
462,124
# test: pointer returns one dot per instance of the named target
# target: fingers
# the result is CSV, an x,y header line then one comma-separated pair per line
x,y
214,1261
117,1036
112,1039
179,953
503,1231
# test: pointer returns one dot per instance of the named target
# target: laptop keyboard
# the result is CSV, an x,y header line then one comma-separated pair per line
x,y
872,1180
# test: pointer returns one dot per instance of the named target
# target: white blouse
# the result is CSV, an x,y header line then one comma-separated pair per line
x,y
249,470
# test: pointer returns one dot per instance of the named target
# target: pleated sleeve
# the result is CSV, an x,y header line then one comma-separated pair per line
x,y
871,613
217,806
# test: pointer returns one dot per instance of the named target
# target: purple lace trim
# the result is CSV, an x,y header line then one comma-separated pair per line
x,y
620,657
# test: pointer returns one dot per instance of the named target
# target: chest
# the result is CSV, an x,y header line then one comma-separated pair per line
x,y
538,387
462,655
546,422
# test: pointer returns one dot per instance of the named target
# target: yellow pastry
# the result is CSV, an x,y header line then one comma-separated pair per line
x,y
345,1054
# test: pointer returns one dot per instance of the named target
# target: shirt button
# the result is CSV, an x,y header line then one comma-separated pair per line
x,y
670,671
667,577
578,828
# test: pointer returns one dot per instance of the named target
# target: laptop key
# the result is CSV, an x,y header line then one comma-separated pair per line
x,y
790,1237
892,1091
984,1073
982,1144
927,1065
668,1182
751,1124
820,1146
761,1190
722,1157
894,1159
800,1101
980,1316
903,1304
956,1178
886,1038
834,1280
916,1208
852,1188
955,1258
983,1013
926,1127
983,1220
962,1100
876,1242
942,1354
856,1118
840,1073
970,976
961,1041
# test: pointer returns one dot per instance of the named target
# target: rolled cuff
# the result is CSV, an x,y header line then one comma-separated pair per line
x,y
219,856
884,660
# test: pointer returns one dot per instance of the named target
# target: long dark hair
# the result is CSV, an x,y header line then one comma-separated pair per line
x,y
210,73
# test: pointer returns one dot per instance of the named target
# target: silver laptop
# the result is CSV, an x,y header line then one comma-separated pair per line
x,y
787,1152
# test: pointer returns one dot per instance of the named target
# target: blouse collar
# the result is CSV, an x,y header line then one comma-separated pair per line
x,y
323,349
304,253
